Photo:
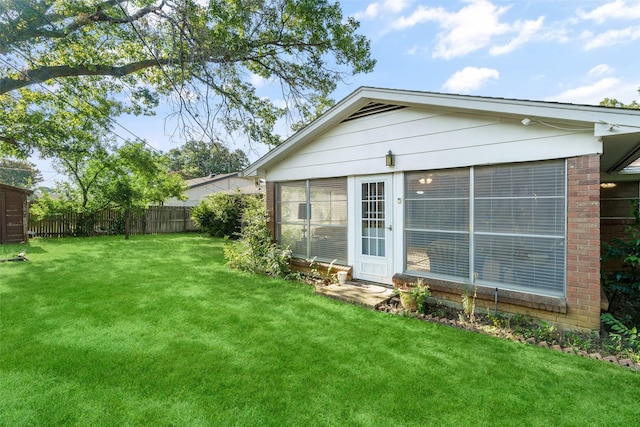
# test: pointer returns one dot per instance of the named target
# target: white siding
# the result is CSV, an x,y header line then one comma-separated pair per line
x,y
196,194
430,139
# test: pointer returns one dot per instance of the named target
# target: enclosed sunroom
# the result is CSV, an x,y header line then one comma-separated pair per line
x,y
457,190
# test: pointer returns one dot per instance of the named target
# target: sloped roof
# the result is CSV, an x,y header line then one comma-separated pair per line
x,y
11,187
619,128
198,182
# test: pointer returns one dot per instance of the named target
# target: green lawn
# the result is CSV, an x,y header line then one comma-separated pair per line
x,y
157,331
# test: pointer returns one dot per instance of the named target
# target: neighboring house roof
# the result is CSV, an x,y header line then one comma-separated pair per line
x,y
197,182
618,128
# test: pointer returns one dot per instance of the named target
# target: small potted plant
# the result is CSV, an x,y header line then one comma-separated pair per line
x,y
413,295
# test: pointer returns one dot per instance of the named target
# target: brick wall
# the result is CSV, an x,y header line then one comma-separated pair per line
x,y
583,243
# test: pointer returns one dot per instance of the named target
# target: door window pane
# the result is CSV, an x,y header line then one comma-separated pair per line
x,y
373,219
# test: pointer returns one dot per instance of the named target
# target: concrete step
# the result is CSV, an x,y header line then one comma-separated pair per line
x,y
366,294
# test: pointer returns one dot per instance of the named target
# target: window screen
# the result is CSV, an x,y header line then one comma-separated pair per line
x,y
518,214
311,218
519,223
437,222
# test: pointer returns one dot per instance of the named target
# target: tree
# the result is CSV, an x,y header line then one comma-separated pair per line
x,y
200,158
109,57
102,175
612,102
140,177
19,173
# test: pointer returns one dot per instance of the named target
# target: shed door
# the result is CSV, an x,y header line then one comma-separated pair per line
x,y
374,240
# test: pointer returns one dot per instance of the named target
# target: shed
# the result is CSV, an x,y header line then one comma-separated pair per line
x,y
458,190
14,214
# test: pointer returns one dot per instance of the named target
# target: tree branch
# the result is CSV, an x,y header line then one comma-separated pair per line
x,y
40,75
12,142
22,31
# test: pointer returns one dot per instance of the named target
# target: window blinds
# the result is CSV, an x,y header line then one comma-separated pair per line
x,y
506,223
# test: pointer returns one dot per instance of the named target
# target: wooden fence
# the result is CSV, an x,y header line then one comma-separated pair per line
x,y
154,219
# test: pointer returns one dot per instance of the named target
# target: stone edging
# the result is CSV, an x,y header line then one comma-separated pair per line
x,y
627,363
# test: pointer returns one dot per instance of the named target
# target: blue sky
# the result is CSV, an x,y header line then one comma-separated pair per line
x,y
562,50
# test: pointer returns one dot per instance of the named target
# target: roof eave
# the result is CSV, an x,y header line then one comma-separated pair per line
x,y
513,107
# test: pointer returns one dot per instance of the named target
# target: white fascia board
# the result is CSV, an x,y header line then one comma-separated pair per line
x,y
532,109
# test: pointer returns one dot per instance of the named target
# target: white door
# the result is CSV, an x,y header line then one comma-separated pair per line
x,y
374,228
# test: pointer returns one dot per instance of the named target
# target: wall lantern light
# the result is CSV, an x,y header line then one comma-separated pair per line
x,y
389,159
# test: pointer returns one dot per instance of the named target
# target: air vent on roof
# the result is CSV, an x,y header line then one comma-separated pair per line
x,y
373,108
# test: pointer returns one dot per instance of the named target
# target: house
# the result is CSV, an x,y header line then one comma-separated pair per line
x,y
199,188
459,190
14,214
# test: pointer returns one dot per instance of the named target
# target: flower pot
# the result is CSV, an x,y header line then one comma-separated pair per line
x,y
407,300
342,277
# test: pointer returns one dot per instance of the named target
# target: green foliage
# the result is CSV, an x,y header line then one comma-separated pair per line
x,y
622,286
612,102
72,66
547,332
19,173
315,274
220,214
627,338
200,158
103,175
469,301
255,251
414,293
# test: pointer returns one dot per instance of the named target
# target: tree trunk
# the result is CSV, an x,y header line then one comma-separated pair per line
x,y
127,223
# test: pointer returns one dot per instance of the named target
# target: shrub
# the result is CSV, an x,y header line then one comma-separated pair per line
x,y
622,286
255,251
220,214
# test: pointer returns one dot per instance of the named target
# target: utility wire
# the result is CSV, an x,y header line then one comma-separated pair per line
x,y
106,116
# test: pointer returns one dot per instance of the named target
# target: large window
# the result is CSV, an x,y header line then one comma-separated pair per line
x,y
311,218
504,224
437,222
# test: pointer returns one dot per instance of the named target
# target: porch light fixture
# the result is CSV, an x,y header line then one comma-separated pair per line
x,y
390,159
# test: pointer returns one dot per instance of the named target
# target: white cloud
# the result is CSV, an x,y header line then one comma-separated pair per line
x,y
396,6
591,93
473,27
370,12
600,70
618,9
257,80
612,37
527,30
469,79
376,9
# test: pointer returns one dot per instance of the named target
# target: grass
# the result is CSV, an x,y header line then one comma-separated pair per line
x,y
157,331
